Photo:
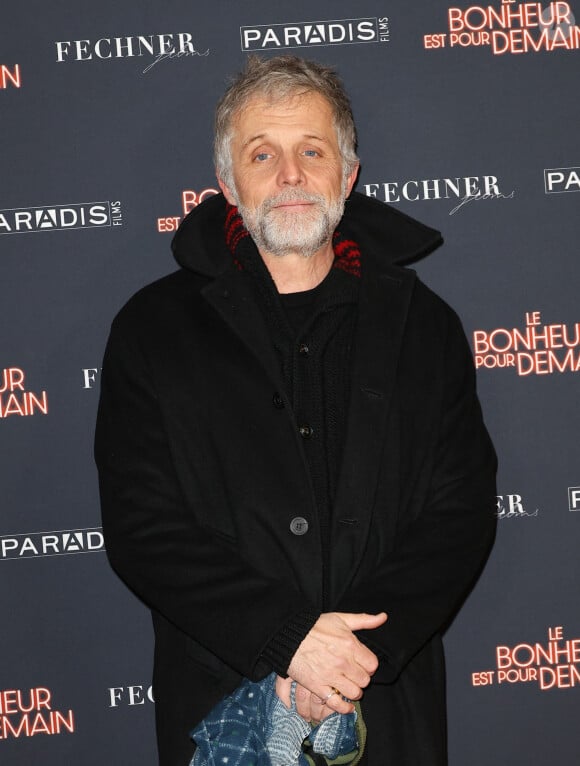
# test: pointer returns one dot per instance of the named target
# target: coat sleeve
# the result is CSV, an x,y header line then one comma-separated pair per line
x,y
189,574
439,554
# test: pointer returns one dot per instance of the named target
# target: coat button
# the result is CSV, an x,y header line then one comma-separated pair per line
x,y
306,431
299,526
277,401
303,349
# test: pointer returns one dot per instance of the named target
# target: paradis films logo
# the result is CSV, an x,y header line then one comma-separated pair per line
x,y
64,542
76,215
574,499
561,180
308,34
509,28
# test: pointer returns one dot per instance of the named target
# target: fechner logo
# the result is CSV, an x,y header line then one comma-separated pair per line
x,y
304,34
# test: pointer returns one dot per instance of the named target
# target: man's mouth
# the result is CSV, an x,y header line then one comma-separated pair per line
x,y
296,204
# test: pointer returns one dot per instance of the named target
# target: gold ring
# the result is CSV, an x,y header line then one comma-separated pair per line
x,y
331,694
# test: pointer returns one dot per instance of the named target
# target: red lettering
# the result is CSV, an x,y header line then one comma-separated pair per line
x,y
6,75
188,201
168,224
503,658
482,679
455,19
434,41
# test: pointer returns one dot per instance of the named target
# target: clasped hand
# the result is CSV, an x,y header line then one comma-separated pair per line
x,y
331,664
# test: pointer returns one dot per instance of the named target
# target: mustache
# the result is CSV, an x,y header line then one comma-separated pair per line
x,y
289,196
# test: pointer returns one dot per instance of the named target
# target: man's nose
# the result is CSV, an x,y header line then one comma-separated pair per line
x,y
290,172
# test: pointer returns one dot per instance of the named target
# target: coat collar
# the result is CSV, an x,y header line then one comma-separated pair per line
x,y
387,238
199,243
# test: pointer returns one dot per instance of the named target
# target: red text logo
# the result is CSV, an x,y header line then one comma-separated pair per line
x,y
537,349
15,400
189,200
9,77
509,28
553,665
26,713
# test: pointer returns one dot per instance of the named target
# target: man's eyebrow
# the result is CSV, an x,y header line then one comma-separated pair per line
x,y
250,140
260,136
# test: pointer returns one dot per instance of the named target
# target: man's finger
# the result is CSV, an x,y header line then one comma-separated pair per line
x,y
363,621
334,702
283,687
302,698
332,657
310,706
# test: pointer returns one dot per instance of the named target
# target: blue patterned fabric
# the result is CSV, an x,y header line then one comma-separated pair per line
x,y
253,727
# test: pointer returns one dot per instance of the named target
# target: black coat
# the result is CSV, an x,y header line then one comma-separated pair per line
x,y
202,472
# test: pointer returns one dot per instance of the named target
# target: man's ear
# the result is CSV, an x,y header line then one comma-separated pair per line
x,y
227,192
351,178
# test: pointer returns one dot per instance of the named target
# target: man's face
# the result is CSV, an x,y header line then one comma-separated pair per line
x,y
288,173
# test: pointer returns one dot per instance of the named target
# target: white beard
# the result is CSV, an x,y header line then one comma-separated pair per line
x,y
281,232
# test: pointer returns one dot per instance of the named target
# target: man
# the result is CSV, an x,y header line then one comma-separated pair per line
x,y
289,440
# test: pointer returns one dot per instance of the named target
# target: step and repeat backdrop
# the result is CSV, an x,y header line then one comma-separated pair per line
x,y
468,119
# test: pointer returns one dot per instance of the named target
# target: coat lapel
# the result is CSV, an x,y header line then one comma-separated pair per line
x,y
383,311
232,298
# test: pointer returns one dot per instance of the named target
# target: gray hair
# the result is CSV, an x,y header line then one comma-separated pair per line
x,y
279,78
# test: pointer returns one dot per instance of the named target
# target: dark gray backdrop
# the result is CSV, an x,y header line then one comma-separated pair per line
x,y
102,132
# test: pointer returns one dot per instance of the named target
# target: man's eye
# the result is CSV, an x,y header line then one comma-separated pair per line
x,y
262,156
311,152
